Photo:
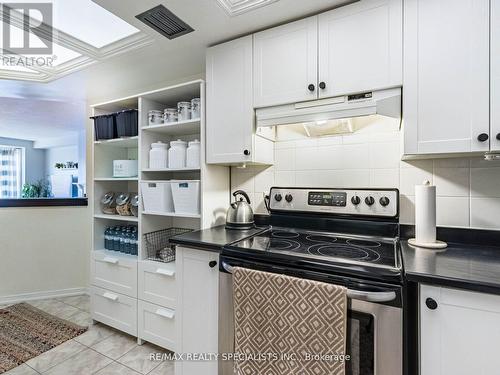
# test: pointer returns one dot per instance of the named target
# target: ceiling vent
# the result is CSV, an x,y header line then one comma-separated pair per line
x,y
165,22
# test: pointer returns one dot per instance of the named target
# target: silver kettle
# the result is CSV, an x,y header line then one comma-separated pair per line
x,y
240,213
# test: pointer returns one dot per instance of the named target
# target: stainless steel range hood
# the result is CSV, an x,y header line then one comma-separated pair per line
x,y
382,102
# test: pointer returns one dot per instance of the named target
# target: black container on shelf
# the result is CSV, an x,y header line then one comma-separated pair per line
x,y
104,126
127,123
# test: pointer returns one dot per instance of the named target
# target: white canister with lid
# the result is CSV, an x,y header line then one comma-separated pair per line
x,y
193,154
177,154
158,156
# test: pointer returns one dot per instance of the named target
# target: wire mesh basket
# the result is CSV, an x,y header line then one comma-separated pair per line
x,y
158,246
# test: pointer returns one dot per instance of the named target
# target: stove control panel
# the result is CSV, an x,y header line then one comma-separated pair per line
x,y
357,202
327,198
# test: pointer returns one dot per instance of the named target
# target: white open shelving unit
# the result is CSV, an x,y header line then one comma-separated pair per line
x,y
132,293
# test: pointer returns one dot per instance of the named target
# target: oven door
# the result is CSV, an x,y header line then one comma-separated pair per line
x,y
375,339
374,332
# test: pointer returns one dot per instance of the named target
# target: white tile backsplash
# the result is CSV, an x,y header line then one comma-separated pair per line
x,y
468,189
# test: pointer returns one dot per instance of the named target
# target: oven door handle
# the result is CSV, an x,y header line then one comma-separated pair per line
x,y
371,296
351,293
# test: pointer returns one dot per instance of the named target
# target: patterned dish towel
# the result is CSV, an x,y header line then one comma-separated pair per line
x,y
288,326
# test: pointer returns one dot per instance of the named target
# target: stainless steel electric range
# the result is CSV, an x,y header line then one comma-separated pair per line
x,y
348,237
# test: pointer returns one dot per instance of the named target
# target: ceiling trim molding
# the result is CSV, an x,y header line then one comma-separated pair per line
x,y
236,7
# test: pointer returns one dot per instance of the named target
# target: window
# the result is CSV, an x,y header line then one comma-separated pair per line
x,y
11,171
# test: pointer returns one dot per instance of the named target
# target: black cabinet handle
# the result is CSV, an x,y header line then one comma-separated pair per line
x,y
246,152
431,304
483,137
311,87
212,263
498,136
322,85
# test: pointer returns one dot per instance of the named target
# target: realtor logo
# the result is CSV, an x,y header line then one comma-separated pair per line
x,y
27,28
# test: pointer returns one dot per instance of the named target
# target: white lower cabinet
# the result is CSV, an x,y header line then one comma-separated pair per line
x,y
157,283
197,309
156,324
459,332
115,272
114,309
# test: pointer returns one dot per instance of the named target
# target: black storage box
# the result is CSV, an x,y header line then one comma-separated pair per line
x,y
104,126
126,123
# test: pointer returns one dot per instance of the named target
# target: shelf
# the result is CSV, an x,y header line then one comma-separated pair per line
x,y
171,170
116,179
177,128
116,254
120,142
117,217
172,214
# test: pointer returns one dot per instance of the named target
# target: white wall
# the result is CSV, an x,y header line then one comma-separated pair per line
x,y
468,189
43,250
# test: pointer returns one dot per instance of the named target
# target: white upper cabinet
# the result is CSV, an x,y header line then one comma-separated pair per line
x,y
361,47
230,115
286,63
459,332
446,76
495,75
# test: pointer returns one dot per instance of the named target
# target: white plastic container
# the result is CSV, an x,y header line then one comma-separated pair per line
x,y
157,196
186,195
158,156
177,154
193,154
125,168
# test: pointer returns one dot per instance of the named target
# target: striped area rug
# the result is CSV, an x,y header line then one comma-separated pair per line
x,y
26,332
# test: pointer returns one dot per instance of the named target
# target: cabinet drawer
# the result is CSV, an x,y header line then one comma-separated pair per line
x,y
117,273
114,309
157,325
157,283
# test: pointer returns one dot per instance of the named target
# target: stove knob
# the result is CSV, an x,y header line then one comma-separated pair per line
x,y
369,201
288,198
356,200
278,197
384,201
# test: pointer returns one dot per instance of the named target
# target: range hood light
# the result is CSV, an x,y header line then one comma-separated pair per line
x,y
321,122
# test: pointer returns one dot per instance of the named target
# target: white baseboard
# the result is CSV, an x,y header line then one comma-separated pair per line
x,y
43,295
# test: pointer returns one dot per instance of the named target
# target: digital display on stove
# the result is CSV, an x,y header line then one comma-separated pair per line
x,y
327,198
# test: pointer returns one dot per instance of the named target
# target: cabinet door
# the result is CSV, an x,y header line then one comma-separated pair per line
x,y
286,63
230,115
460,336
361,47
495,75
446,76
197,309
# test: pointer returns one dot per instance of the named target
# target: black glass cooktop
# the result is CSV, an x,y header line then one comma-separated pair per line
x,y
334,247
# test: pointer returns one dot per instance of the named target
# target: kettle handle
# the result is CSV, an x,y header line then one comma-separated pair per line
x,y
241,192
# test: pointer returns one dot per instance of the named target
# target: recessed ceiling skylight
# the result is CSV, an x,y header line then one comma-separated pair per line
x,y
87,21
83,33
237,7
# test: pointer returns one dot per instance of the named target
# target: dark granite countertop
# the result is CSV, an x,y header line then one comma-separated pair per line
x,y
461,265
213,239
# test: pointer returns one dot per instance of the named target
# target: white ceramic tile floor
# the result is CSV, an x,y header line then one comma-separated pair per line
x,y
101,350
